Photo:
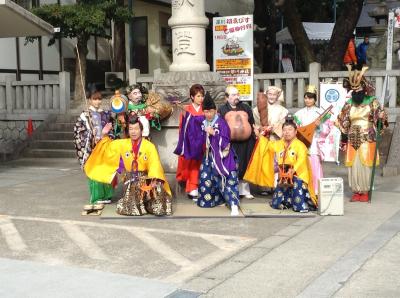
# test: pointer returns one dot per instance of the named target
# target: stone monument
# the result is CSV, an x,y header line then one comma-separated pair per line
x,y
376,53
188,24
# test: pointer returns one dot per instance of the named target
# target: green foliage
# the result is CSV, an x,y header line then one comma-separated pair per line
x,y
83,19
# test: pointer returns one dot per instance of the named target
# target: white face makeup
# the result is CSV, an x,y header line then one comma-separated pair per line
x,y
135,95
272,96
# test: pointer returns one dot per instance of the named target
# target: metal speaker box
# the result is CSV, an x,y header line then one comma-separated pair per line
x,y
330,196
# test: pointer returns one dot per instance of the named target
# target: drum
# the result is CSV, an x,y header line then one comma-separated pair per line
x,y
238,122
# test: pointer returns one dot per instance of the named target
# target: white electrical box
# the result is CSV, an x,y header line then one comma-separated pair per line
x,y
330,196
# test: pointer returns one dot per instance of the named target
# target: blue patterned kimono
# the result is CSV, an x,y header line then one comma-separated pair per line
x,y
218,171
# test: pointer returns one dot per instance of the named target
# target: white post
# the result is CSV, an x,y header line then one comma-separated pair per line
x,y
63,78
9,95
134,73
314,70
188,23
389,50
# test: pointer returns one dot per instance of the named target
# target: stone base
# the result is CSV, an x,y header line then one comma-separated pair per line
x,y
393,161
176,85
390,171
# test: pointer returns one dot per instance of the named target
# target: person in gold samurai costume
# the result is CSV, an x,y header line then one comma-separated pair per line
x,y
146,189
358,122
294,188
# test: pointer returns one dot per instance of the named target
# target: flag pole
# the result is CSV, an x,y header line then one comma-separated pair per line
x,y
378,139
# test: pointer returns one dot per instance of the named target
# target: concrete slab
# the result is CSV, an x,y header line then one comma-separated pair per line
x,y
295,263
328,283
379,277
44,281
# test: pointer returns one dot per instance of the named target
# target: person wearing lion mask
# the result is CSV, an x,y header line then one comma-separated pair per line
x,y
239,117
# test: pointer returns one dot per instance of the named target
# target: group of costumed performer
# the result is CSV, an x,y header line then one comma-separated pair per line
x,y
218,177
311,114
149,107
360,120
146,189
87,133
295,187
239,117
190,144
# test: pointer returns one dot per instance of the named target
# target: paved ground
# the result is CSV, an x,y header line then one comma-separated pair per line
x,y
48,249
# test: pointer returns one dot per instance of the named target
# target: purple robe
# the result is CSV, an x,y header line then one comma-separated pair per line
x,y
191,140
224,161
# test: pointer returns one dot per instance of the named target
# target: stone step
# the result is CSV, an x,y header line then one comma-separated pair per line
x,y
56,135
61,126
50,153
52,144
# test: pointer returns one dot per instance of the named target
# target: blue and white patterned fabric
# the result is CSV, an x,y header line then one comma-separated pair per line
x,y
296,197
216,189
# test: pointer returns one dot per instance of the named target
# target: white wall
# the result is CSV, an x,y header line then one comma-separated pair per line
x,y
29,77
29,54
4,75
68,45
50,77
51,60
156,52
8,57
103,49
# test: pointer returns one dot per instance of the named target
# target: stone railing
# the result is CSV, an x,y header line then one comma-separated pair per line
x,y
294,84
23,100
145,80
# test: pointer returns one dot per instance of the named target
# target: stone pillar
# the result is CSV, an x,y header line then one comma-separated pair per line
x,y
188,23
392,167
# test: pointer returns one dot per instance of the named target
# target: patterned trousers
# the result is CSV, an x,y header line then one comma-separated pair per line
x,y
215,189
296,197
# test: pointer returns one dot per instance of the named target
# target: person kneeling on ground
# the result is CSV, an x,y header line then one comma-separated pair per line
x,y
145,188
294,189
218,171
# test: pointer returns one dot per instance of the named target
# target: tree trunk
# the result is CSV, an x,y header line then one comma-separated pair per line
x,y
341,35
270,62
119,44
296,29
265,19
80,68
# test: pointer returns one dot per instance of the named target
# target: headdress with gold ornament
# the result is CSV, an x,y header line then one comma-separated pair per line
x,y
311,89
311,92
356,77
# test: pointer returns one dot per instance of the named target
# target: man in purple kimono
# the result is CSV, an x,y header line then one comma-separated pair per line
x,y
218,171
